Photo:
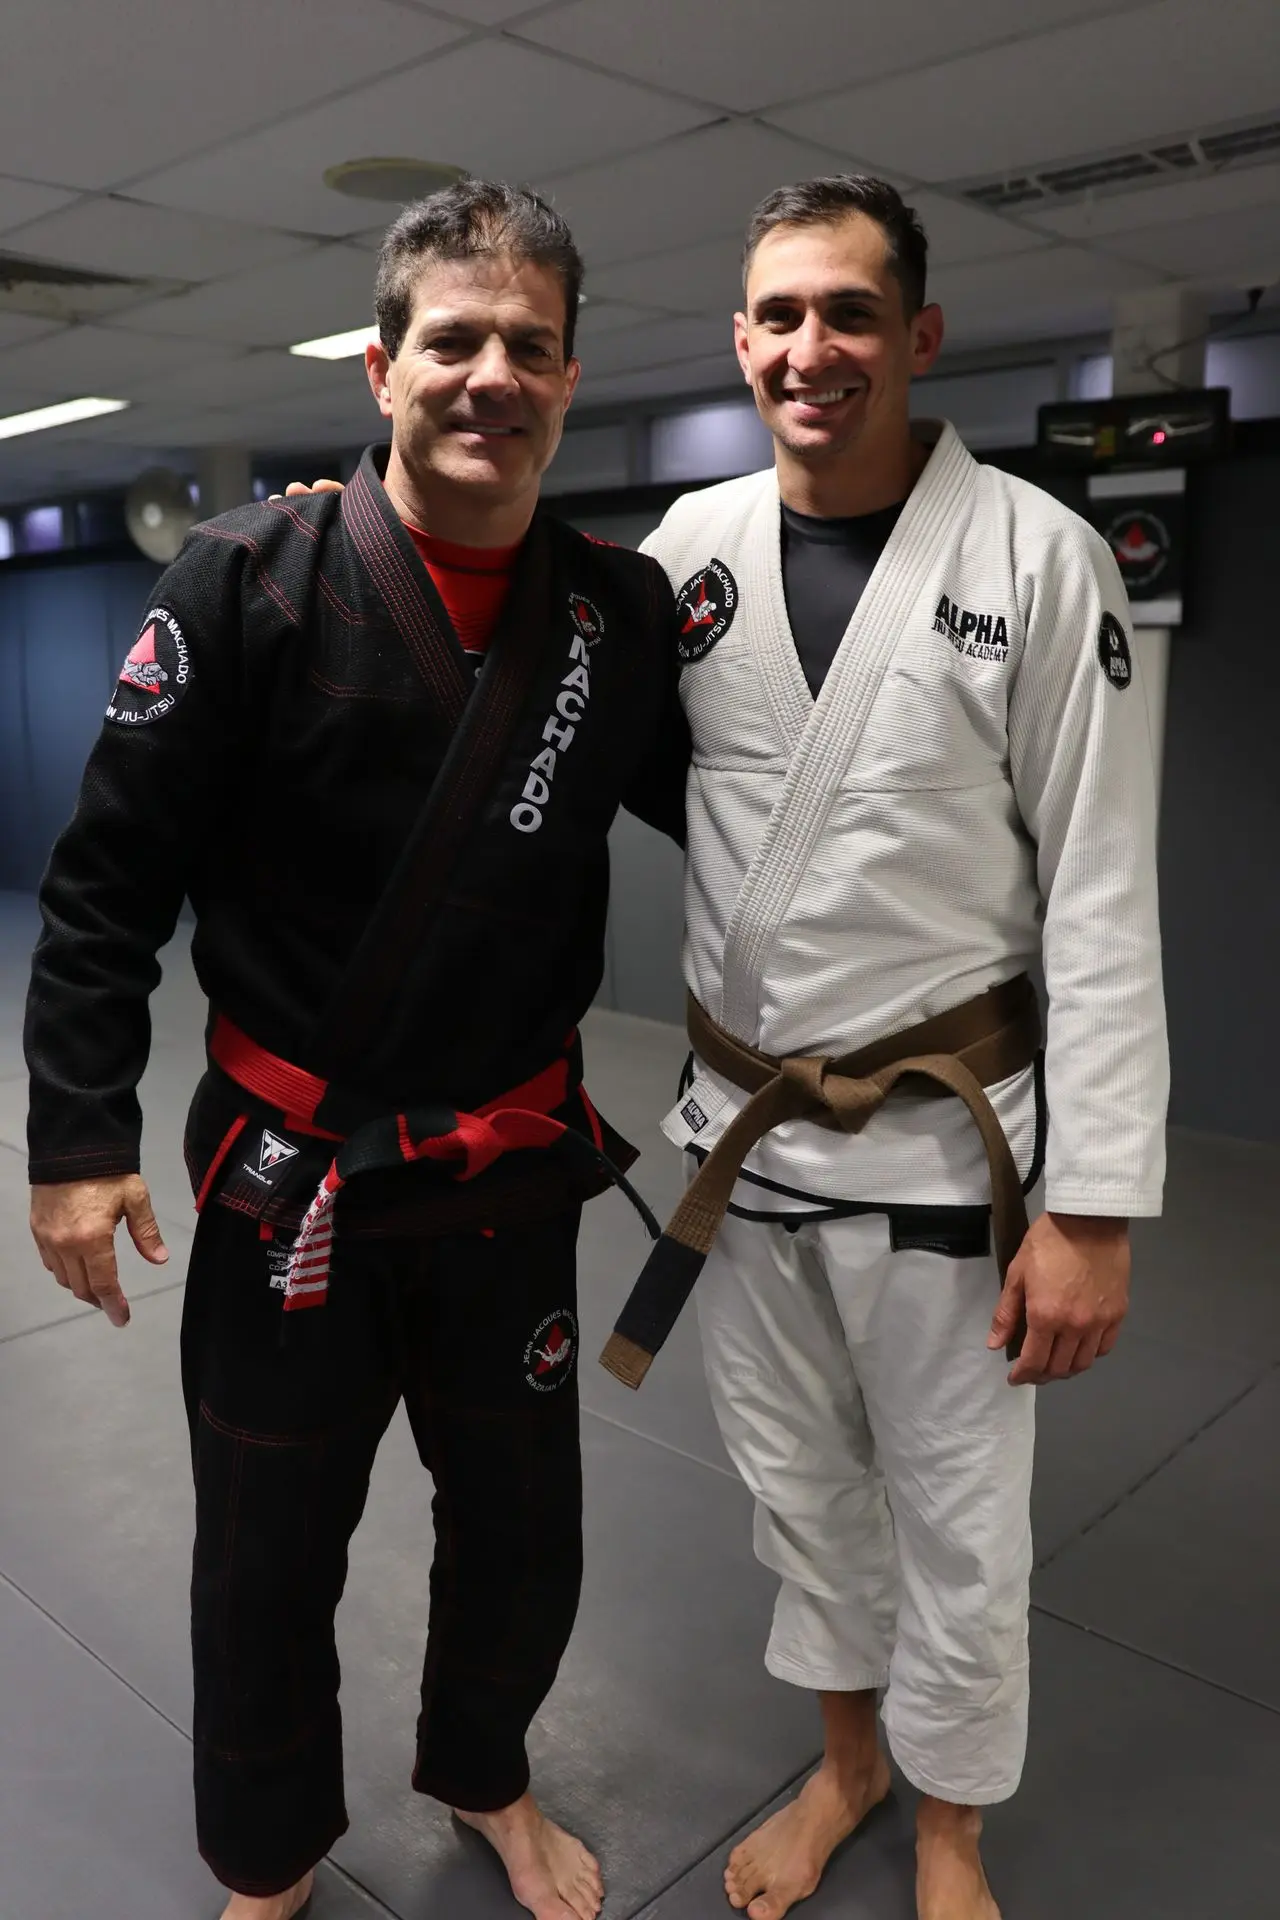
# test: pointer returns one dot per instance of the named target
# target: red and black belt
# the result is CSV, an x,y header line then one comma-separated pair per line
x,y
462,1144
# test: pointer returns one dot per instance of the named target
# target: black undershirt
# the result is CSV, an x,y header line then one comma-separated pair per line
x,y
826,565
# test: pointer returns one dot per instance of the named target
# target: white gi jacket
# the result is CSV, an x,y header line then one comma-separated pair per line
x,y
971,794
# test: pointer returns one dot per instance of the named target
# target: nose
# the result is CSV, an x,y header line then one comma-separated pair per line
x,y
811,348
491,372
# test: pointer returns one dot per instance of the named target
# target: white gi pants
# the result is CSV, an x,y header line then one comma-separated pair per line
x,y
891,1465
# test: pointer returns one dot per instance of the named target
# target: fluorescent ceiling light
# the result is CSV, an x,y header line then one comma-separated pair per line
x,y
337,346
59,416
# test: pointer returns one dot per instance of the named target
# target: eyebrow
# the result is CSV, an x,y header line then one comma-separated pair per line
x,y
780,297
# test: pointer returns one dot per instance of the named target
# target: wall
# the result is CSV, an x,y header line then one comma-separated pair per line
x,y
64,631
1220,819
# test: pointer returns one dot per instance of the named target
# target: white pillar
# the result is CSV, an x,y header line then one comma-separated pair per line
x,y
224,476
1155,347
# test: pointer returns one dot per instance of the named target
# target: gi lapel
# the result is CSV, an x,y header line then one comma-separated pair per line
x,y
404,586
484,719
823,744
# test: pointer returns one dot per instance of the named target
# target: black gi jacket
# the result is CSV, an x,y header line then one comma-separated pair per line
x,y
296,729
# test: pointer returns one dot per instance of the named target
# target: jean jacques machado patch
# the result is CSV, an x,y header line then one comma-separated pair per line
x,y
705,606
156,674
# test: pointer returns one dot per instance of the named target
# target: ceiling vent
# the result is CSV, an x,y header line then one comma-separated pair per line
x,y
53,292
1203,153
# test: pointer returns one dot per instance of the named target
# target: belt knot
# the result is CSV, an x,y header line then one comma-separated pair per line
x,y
836,1100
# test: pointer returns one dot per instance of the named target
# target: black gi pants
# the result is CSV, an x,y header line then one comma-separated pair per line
x,y
471,1331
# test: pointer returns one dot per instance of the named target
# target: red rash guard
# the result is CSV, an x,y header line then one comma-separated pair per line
x,y
472,582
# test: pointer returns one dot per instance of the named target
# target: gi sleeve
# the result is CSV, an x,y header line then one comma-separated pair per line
x,y
1082,768
656,791
119,871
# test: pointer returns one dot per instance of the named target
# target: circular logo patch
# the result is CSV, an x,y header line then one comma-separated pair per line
x,y
1113,652
156,674
586,618
1140,542
705,607
549,1356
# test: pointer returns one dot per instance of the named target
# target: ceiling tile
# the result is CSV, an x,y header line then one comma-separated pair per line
x,y
713,373
324,291
22,200
17,327
91,95
1239,249
698,187
1055,292
262,378
99,360
706,278
959,232
605,316
1156,71
113,235
659,344
774,52
496,108
1164,204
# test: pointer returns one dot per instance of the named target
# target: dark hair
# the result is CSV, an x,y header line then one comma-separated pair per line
x,y
462,222
826,201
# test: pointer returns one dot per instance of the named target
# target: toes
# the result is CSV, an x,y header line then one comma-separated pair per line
x,y
766,1908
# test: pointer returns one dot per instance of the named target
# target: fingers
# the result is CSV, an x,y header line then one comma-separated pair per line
x,y
143,1230
1031,1366
1008,1312
1088,1350
104,1285
294,488
1109,1339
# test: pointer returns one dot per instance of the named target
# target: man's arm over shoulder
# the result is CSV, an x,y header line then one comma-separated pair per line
x,y
117,876
656,791
1082,767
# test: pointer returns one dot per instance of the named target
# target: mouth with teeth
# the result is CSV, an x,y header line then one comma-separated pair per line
x,y
486,430
812,401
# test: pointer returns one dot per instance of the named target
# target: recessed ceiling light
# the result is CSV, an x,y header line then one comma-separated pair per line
x,y
60,415
393,181
337,346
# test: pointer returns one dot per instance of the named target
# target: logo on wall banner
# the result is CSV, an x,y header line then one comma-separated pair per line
x,y
705,606
1113,652
1141,543
156,674
548,1358
586,618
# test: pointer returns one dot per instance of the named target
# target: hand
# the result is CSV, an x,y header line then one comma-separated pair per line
x,y
74,1226
295,487
1071,1276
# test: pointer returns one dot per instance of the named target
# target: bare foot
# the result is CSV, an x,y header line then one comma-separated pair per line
x,y
950,1882
783,1861
550,1872
278,1906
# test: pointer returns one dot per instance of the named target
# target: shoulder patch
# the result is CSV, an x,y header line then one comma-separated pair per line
x,y
155,675
1113,652
705,606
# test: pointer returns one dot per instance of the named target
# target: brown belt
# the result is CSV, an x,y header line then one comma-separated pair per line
x,y
960,1052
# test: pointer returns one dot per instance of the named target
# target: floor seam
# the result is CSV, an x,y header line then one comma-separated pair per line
x,y
65,1632
753,1813
668,1446
71,1319
1156,1659
1167,1460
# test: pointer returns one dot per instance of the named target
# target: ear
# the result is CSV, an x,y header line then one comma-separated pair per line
x,y
927,330
377,364
741,345
572,375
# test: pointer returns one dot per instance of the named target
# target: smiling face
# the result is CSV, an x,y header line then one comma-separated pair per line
x,y
477,393
827,347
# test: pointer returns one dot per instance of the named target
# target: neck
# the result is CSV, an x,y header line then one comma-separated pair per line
x,y
850,483
449,511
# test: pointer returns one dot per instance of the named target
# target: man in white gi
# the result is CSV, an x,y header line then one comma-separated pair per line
x,y
920,767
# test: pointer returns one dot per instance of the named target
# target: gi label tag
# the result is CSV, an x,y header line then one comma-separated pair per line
x,y
695,1112
273,1156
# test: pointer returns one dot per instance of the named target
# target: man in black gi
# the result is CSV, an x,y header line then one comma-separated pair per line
x,y
448,694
